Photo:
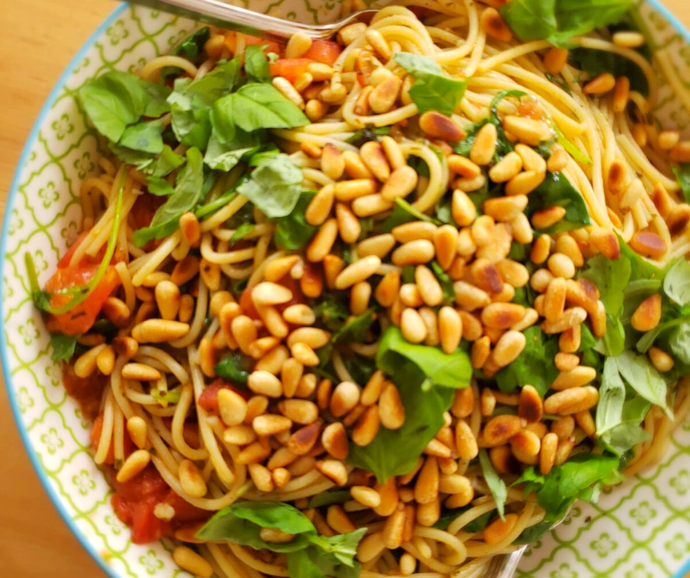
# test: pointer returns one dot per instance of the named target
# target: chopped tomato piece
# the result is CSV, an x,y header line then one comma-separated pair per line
x,y
81,317
209,399
324,51
231,43
290,68
135,501
87,391
67,257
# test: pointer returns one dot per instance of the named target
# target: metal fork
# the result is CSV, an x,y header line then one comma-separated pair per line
x,y
243,20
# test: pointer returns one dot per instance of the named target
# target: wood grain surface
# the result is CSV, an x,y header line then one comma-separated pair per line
x,y
38,38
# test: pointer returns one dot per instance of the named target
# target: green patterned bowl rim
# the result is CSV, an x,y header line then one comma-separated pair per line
x,y
4,356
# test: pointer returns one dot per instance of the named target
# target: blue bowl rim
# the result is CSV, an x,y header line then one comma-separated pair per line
x,y
23,159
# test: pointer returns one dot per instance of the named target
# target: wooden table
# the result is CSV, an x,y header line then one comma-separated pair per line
x,y
37,40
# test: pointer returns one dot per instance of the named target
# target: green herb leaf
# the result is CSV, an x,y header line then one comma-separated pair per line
x,y
274,187
225,156
159,187
640,374
534,366
144,136
403,213
677,282
241,232
193,45
596,62
558,21
234,367
63,346
440,369
117,99
432,89
300,564
682,173
476,525
293,232
256,63
274,515
533,533
556,190
574,480
188,192
368,133
497,486
329,498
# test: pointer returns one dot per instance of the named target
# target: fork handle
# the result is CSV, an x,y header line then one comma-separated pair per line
x,y
240,19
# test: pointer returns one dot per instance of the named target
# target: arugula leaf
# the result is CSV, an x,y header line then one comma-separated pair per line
x,y
558,21
63,346
118,99
556,190
234,367
569,482
188,192
424,417
682,172
274,187
293,232
256,63
355,330
596,62
640,374
445,281
329,498
192,46
445,370
403,213
432,89
534,366
255,106
677,282
497,486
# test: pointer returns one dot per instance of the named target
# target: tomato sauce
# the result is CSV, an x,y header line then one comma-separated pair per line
x,y
86,391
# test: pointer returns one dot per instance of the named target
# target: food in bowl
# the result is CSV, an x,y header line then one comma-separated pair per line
x,y
387,303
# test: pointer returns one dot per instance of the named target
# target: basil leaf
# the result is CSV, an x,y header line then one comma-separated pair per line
x,y
144,136
241,232
596,62
164,164
274,187
256,63
677,282
336,551
556,190
497,486
193,46
159,187
225,156
432,89
424,417
640,374
300,565
117,99
560,20
574,480
274,515
234,367
293,232
682,173
534,366
440,369
188,192
533,533
329,498
63,346
355,330
253,107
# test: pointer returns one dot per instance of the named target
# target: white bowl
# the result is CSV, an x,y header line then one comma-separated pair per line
x,y
639,530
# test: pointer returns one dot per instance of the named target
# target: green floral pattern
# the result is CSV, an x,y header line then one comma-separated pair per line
x,y
638,531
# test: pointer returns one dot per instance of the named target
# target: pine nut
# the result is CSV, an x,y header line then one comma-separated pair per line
x,y
299,314
512,272
189,560
86,363
159,330
333,470
430,320
265,383
465,442
372,390
494,26
586,422
629,39
385,94
348,224
354,189
370,547
566,361
540,250
345,398
461,498
317,211
505,208
572,400
412,326
437,125
351,33
413,253
555,60
576,377
414,231
355,167
547,456
401,183
483,230
502,315
387,289
561,266
334,440
391,409
681,152
527,130
298,45
661,360
571,317
140,372
470,297
408,564
531,159
191,480
379,245
374,158
367,427
508,167
133,465
554,303
426,488
449,328
393,152
508,348
167,299
471,326
366,496
116,311
303,440
600,85
648,245
269,425
370,205
240,435
667,139
498,530
429,287
564,427
463,167
446,245
484,146
522,229
470,185
621,94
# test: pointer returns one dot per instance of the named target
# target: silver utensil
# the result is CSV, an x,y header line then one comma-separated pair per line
x,y
243,20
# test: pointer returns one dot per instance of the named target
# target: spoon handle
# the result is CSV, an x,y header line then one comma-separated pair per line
x,y
246,21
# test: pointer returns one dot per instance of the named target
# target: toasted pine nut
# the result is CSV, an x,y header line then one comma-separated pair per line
x,y
401,183
439,126
116,311
667,139
540,250
499,529
391,409
661,360
449,328
140,372
529,131
370,205
600,84
621,94
344,398
484,146
379,245
561,265
190,228
555,60
547,456
284,86
501,428
319,207
508,167
367,427
526,442
414,231
463,167
426,488
412,326
334,470
348,224
494,26
648,314
558,160
465,442
463,209
524,183
385,94
470,297
191,480
334,440
189,560
629,39
133,465
265,383
547,217
159,330
572,400
298,45
358,271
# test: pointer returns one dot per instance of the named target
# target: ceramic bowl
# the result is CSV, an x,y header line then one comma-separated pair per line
x,y
638,530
